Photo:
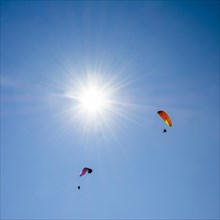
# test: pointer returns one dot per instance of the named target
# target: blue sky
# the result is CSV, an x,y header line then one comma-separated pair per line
x,y
152,55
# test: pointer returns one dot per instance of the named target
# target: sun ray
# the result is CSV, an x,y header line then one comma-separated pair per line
x,y
93,99
97,101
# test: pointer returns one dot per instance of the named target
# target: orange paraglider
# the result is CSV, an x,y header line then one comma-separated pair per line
x,y
165,117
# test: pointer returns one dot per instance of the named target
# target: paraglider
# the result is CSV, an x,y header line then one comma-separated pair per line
x,y
84,171
166,119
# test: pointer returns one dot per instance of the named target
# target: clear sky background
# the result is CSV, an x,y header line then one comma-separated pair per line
x,y
154,55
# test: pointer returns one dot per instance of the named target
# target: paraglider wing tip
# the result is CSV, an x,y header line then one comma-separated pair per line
x,y
89,170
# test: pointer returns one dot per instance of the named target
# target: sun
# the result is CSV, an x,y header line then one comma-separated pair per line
x,y
93,100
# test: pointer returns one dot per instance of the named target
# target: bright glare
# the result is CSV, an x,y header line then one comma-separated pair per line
x,y
96,102
93,100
